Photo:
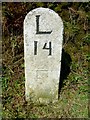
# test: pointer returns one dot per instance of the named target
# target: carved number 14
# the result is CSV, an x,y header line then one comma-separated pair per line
x,y
44,47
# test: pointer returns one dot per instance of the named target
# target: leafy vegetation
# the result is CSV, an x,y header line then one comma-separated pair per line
x,y
73,101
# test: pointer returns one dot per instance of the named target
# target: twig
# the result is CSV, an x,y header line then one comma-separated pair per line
x,y
18,61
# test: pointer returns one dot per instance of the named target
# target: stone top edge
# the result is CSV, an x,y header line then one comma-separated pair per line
x,y
42,9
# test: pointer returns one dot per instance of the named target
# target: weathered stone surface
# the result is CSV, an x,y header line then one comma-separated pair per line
x,y
43,37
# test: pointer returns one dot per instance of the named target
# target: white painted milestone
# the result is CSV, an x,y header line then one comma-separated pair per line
x,y
43,37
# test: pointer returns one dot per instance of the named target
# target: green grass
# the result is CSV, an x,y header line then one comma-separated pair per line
x,y
73,102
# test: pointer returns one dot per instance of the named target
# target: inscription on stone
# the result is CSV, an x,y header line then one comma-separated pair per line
x,y
37,28
43,37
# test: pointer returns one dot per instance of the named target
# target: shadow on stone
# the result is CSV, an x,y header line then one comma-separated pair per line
x,y
65,69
